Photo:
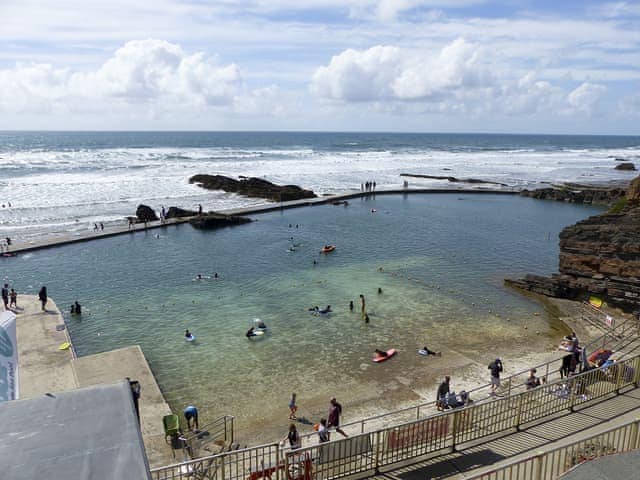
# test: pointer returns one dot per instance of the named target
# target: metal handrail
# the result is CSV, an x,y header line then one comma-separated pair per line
x,y
508,382
433,435
560,459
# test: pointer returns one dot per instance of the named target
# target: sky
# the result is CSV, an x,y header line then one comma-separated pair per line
x,y
517,66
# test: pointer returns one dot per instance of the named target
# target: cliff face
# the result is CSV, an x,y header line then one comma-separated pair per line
x,y
599,255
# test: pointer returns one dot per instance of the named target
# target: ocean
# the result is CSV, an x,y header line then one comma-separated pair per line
x,y
59,182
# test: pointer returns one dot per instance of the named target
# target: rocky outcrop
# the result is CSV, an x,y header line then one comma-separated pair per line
x,y
217,220
589,195
599,255
453,179
146,214
252,187
177,212
625,166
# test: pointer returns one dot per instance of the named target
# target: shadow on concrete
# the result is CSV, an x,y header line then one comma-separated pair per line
x,y
449,467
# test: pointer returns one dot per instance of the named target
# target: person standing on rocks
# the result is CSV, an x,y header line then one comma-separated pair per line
x,y
42,295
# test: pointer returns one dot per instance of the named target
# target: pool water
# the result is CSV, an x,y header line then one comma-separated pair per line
x,y
439,260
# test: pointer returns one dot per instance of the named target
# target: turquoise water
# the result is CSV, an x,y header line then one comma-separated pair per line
x,y
439,259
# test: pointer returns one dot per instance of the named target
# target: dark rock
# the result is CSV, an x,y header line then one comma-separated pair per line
x,y
252,187
213,220
453,179
176,212
599,255
146,214
581,194
625,166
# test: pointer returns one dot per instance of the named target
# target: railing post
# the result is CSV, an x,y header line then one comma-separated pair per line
x,y
634,441
222,464
376,455
454,430
537,466
362,426
278,463
519,411
418,412
571,385
286,464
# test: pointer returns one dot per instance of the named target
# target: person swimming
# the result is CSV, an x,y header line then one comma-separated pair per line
x,y
380,353
260,324
188,335
325,311
314,310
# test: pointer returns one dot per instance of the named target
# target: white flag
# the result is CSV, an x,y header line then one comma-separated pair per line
x,y
8,357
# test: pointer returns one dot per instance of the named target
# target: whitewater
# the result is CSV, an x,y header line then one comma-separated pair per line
x,y
58,183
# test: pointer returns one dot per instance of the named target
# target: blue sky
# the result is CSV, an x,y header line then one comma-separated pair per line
x,y
518,66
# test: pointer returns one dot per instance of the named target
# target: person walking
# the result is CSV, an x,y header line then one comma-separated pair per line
x,y
441,395
362,303
5,296
42,295
293,408
13,299
333,419
496,369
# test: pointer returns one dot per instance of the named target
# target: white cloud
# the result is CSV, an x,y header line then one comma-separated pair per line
x,y
152,72
392,73
586,97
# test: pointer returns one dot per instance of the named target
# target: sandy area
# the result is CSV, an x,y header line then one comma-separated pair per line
x,y
393,389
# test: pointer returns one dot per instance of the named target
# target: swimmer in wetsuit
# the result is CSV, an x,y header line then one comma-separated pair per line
x,y
250,333
380,353
188,335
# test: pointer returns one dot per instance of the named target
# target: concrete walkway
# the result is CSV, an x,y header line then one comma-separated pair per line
x,y
43,368
18,246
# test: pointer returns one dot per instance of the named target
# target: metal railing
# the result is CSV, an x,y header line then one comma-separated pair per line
x,y
616,338
364,453
219,432
552,464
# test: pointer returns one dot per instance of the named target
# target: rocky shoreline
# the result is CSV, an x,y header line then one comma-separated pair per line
x,y
598,256
252,187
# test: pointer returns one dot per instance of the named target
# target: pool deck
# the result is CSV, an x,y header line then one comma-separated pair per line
x,y
50,241
43,368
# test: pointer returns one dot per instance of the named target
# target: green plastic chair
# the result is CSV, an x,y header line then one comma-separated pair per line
x,y
171,425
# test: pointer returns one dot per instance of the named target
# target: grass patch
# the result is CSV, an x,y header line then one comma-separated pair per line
x,y
618,206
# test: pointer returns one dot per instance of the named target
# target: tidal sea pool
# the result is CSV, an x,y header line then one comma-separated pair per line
x,y
440,260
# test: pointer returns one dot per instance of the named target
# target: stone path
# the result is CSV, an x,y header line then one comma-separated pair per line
x,y
43,368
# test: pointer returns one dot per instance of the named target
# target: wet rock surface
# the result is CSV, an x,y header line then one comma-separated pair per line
x,y
252,187
598,256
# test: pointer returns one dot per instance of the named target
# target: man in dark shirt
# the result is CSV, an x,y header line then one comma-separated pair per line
x,y
5,296
333,420
496,369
